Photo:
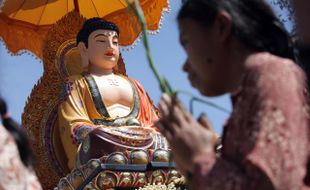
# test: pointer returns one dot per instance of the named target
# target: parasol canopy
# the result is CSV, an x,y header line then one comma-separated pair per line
x,y
24,23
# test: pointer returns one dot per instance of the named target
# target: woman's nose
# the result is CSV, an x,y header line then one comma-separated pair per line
x,y
186,66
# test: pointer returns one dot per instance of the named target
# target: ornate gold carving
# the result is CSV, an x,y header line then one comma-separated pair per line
x,y
76,178
116,158
90,167
91,186
42,103
107,180
158,177
126,179
141,180
111,179
65,184
161,155
139,157
86,144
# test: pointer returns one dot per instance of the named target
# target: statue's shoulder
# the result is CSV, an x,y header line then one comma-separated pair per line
x,y
75,78
75,81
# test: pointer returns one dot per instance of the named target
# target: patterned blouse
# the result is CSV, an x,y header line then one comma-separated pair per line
x,y
13,174
266,140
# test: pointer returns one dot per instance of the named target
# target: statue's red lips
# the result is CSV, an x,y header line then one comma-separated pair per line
x,y
110,54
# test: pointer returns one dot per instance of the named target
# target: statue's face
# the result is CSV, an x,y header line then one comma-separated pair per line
x,y
103,49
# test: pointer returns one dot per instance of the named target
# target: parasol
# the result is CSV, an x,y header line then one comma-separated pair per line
x,y
24,23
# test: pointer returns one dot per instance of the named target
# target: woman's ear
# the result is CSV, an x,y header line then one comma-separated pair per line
x,y
223,23
84,54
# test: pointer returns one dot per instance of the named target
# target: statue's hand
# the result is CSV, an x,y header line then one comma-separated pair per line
x,y
103,141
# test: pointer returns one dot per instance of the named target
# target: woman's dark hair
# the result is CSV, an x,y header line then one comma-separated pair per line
x,y
94,24
254,23
18,134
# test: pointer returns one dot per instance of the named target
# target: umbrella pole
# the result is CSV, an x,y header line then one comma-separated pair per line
x,y
76,5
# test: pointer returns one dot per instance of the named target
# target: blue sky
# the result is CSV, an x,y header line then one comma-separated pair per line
x,y
18,74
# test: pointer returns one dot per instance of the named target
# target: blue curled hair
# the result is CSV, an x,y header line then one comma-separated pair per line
x,y
92,25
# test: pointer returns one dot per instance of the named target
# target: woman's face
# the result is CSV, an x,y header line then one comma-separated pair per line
x,y
205,62
103,48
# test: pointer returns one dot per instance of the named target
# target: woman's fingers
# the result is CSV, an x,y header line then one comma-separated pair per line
x,y
205,122
170,125
188,116
166,119
176,111
177,115
164,131
163,107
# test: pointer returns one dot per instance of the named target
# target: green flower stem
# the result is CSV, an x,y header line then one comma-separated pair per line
x,y
164,85
195,98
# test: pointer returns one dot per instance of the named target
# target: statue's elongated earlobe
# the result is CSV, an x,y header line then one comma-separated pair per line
x,y
84,55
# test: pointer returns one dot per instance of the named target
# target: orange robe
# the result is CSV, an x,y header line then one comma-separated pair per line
x,y
78,110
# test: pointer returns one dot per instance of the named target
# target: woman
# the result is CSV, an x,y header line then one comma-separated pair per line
x,y
15,156
240,47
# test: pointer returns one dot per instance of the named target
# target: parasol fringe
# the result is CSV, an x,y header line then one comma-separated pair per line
x,y
149,32
19,52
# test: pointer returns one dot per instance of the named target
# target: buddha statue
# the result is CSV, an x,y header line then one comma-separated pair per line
x,y
109,117
110,112
85,112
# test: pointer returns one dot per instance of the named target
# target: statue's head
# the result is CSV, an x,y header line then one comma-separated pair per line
x,y
98,44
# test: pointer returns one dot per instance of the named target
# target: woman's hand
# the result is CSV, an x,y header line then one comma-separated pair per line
x,y
188,138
